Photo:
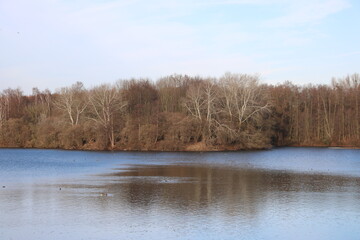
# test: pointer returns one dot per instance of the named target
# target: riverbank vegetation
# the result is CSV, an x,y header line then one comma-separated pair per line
x,y
180,113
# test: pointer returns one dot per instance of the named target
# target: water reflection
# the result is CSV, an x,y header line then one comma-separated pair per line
x,y
184,201
194,188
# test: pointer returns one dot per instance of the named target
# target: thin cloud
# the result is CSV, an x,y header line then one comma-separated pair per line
x,y
96,41
349,54
308,11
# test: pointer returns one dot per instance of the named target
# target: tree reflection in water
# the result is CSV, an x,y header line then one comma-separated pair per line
x,y
186,201
229,190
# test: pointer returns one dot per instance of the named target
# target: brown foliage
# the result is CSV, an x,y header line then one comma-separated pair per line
x,y
183,113
15,133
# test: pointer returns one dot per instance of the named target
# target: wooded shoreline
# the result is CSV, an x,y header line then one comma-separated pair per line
x,y
192,150
183,113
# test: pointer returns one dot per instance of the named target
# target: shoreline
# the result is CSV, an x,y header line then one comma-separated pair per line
x,y
193,150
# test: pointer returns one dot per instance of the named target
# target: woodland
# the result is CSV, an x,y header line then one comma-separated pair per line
x,y
183,113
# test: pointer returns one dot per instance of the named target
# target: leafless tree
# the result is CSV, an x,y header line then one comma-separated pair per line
x,y
106,101
72,100
195,100
43,102
3,109
242,102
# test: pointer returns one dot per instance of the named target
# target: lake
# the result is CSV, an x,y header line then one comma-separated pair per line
x,y
285,193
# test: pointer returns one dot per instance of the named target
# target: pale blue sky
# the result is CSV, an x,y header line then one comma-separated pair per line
x,y
54,43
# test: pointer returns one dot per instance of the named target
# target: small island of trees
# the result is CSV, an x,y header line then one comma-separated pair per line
x,y
183,113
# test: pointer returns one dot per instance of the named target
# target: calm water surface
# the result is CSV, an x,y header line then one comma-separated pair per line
x,y
287,193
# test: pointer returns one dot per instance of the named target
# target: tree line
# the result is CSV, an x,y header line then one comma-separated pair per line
x,y
180,112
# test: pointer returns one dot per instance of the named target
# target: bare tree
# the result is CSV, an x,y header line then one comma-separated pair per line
x,y
195,100
242,102
201,103
72,100
43,102
106,101
3,109
171,90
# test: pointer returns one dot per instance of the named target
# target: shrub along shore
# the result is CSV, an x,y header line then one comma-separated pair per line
x,y
183,113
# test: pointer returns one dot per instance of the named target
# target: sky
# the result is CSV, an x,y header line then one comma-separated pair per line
x,y
51,44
